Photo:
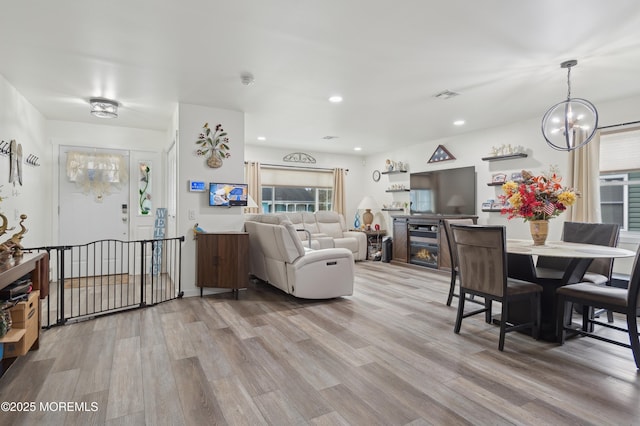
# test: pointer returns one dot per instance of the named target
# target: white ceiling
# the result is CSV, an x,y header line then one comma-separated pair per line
x,y
386,58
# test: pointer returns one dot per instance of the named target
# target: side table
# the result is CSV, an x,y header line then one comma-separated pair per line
x,y
374,241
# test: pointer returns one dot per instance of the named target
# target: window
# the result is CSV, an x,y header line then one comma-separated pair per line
x,y
279,199
313,190
620,179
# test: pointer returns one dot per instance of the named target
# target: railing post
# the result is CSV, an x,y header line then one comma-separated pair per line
x,y
180,292
143,275
61,315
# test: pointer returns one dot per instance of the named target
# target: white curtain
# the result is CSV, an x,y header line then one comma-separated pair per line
x,y
584,177
252,172
339,198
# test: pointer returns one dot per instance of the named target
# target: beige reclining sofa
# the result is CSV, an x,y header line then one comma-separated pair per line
x,y
278,257
323,229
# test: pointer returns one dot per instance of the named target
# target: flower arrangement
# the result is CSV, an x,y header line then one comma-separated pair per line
x,y
536,197
215,143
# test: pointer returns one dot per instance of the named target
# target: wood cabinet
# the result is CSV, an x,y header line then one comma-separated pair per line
x,y
222,260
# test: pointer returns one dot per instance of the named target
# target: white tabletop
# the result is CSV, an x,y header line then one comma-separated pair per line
x,y
565,249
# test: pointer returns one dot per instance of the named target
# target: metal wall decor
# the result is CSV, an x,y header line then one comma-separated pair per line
x,y
213,144
299,157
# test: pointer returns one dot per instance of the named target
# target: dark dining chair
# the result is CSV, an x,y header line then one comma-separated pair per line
x,y
482,262
589,295
453,255
600,270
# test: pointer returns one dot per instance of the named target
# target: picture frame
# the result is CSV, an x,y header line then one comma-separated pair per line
x,y
516,176
499,178
487,205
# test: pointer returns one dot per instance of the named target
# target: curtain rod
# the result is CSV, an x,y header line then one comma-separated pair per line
x,y
296,167
619,125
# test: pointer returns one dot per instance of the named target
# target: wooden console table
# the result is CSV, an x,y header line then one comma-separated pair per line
x,y
222,260
35,265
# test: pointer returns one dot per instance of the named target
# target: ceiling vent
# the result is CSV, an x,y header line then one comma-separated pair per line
x,y
328,138
446,94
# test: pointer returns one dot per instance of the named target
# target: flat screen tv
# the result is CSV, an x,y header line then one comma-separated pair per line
x,y
446,192
228,194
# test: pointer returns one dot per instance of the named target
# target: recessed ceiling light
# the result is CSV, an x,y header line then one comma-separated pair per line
x,y
357,148
335,99
262,138
458,122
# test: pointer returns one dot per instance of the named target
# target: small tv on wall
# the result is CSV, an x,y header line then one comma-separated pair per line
x,y
228,194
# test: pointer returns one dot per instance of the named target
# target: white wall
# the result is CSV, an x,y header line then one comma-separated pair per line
x,y
469,148
353,182
142,144
19,120
191,118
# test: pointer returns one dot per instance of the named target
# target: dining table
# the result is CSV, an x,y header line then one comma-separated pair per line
x,y
521,265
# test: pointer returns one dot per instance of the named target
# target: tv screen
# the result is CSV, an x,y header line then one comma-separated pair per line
x,y
228,194
448,191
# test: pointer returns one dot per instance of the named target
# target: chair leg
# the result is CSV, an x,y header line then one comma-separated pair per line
x,y
535,316
632,326
452,287
503,323
487,314
609,316
586,311
461,300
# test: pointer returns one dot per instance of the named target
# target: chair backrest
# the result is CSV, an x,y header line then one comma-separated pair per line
x,y
452,244
482,259
633,296
604,234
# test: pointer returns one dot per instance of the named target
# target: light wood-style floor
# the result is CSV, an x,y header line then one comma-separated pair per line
x,y
386,355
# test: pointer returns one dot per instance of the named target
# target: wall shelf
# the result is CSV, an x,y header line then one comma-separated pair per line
x,y
393,172
505,157
397,190
495,183
492,210
393,210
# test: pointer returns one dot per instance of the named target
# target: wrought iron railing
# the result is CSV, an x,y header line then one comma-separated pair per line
x,y
107,276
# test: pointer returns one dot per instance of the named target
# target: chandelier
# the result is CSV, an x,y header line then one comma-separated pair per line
x,y
572,123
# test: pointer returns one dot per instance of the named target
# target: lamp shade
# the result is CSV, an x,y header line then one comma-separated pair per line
x,y
251,203
368,203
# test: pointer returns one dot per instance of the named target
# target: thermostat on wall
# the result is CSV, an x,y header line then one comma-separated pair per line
x,y
196,186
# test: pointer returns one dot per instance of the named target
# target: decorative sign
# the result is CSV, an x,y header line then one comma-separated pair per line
x,y
441,154
159,228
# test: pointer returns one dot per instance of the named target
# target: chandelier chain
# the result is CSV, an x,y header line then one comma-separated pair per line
x,y
568,82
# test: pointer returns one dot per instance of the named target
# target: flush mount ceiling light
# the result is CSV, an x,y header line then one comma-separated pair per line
x,y
572,123
336,99
103,108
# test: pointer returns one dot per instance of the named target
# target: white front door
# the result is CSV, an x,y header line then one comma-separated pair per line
x,y
91,211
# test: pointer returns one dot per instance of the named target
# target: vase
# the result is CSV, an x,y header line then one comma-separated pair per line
x,y
214,161
539,231
356,222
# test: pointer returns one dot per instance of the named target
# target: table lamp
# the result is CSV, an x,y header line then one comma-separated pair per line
x,y
367,204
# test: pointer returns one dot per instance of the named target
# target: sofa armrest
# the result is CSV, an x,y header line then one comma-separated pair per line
x,y
324,255
361,238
